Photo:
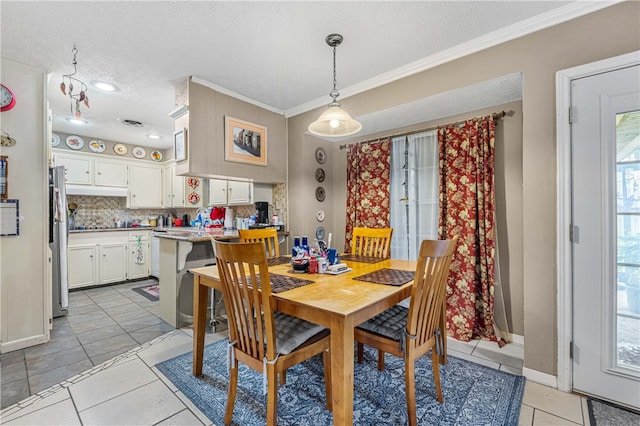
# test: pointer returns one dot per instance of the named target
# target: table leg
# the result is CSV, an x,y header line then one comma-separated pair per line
x,y
200,293
342,370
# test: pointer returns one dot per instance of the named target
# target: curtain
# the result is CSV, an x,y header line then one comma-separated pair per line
x,y
414,193
467,209
368,170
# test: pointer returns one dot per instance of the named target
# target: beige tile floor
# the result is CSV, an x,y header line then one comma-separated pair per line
x,y
112,393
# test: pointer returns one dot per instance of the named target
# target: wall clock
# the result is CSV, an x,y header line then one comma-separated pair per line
x,y
7,98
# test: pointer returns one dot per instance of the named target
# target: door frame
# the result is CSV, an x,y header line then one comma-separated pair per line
x,y
564,277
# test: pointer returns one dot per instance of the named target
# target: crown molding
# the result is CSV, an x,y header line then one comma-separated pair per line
x,y
511,32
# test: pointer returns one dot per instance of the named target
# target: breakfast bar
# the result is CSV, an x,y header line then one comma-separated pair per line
x,y
180,250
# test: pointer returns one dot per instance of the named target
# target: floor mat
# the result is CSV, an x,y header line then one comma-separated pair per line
x,y
603,413
151,292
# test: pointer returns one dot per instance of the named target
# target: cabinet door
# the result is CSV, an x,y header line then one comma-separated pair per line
x,y
113,263
145,188
217,192
79,171
238,192
167,187
154,258
111,173
139,262
177,185
82,266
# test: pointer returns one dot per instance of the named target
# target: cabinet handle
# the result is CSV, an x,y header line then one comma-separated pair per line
x,y
99,173
87,172
91,255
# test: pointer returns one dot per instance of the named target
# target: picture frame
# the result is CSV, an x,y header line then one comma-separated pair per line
x,y
180,144
245,142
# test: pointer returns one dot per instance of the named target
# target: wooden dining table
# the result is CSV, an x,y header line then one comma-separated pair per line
x,y
338,302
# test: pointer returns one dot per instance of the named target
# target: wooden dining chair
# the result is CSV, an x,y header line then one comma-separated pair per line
x,y
259,336
410,333
374,242
267,236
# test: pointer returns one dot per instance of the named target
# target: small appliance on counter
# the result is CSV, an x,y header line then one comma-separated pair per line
x,y
262,207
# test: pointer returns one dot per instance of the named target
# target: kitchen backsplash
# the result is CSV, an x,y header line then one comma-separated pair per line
x,y
100,212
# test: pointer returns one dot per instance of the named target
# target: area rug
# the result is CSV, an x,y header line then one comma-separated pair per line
x,y
151,292
473,394
603,413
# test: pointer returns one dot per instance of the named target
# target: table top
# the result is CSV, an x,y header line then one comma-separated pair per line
x,y
336,294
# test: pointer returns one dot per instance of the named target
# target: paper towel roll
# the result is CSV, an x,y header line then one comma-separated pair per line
x,y
229,217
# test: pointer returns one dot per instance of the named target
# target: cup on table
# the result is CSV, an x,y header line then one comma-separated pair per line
x,y
331,256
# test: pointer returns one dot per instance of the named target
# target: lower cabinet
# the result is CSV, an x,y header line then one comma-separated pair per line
x,y
107,257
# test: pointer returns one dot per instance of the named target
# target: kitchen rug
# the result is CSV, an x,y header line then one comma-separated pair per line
x,y
473,394
603,413
151,292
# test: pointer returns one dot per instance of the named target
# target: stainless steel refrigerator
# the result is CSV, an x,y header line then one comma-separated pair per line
x,y
58,237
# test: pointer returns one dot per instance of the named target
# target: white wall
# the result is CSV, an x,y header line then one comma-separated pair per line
x,y
24,259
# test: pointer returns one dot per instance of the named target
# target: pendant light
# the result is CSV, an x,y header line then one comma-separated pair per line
x,y
335,121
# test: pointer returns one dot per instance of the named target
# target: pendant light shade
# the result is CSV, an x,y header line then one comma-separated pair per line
x,y
335,121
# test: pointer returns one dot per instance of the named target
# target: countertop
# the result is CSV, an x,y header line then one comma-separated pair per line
x,y
132,228
194,234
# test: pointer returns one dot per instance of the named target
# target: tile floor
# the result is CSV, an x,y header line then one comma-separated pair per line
x,y
113,379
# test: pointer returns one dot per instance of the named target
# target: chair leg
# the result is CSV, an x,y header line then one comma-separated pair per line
x,y
380,360
326,365
436,373
410,385
272,394
283,377
360,352
231,396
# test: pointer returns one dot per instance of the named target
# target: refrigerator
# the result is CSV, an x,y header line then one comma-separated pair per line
x,y
58,237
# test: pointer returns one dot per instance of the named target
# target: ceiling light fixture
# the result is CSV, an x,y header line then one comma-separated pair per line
x,y
335,121
154,136
77,121
67,89
104,86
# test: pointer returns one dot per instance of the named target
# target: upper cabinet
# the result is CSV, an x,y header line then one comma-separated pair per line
x,y
145,186
86,175
179,191
207,140
232,193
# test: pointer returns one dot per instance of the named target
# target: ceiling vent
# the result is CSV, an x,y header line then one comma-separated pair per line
x,y
131,123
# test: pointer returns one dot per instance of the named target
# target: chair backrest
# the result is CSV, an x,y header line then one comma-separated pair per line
x,y
267,236
374,242
249,307
429,288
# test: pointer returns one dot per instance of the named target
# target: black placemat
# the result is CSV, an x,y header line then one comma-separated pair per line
x,y
387,276
280,283
279,260
360,258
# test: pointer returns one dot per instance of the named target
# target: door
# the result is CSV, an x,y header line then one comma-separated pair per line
x,y
82,269
217,192
605,143
79,171
238,192
111,173
113,263
146,186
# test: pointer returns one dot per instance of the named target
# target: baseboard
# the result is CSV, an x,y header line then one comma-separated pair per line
x,y
14,345
517,338
540,377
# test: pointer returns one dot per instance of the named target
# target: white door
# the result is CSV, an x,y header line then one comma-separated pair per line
x,y
605,142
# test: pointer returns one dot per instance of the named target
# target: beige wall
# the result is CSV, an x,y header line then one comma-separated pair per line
x,y
24,288
610,32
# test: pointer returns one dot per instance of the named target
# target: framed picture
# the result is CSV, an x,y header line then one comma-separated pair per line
x,y
180,144
245,142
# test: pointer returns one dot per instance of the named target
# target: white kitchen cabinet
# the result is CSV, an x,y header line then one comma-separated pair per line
x,y
113,262
145,186
82,169
82,265
139,261
230,192
155,257
177,191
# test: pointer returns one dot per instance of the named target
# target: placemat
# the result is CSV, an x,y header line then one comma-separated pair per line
x,y
279,260
387,276
360,258
280,283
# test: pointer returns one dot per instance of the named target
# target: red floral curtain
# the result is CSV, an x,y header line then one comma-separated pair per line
x,y
368,171
467,201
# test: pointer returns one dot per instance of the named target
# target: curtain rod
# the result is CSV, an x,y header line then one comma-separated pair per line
x,y
495,115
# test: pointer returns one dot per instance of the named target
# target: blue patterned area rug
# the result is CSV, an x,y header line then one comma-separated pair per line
x,y
473,394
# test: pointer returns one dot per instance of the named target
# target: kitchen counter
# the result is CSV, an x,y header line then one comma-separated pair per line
x,y
132,228
194,235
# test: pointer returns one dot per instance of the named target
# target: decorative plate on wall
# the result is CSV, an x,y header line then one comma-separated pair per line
x,y
138,152
193,182
320,194
320,233
320,215
320,174
156,155
55,139
120,149
321,156
96,145
74,142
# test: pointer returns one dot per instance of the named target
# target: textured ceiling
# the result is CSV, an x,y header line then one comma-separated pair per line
x,y
271,53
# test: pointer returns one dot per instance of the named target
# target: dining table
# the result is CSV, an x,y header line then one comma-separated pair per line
x,y
338,302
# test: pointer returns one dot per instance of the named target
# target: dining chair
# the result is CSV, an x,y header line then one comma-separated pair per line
x,y
267,236
374,242
265,340
411,333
